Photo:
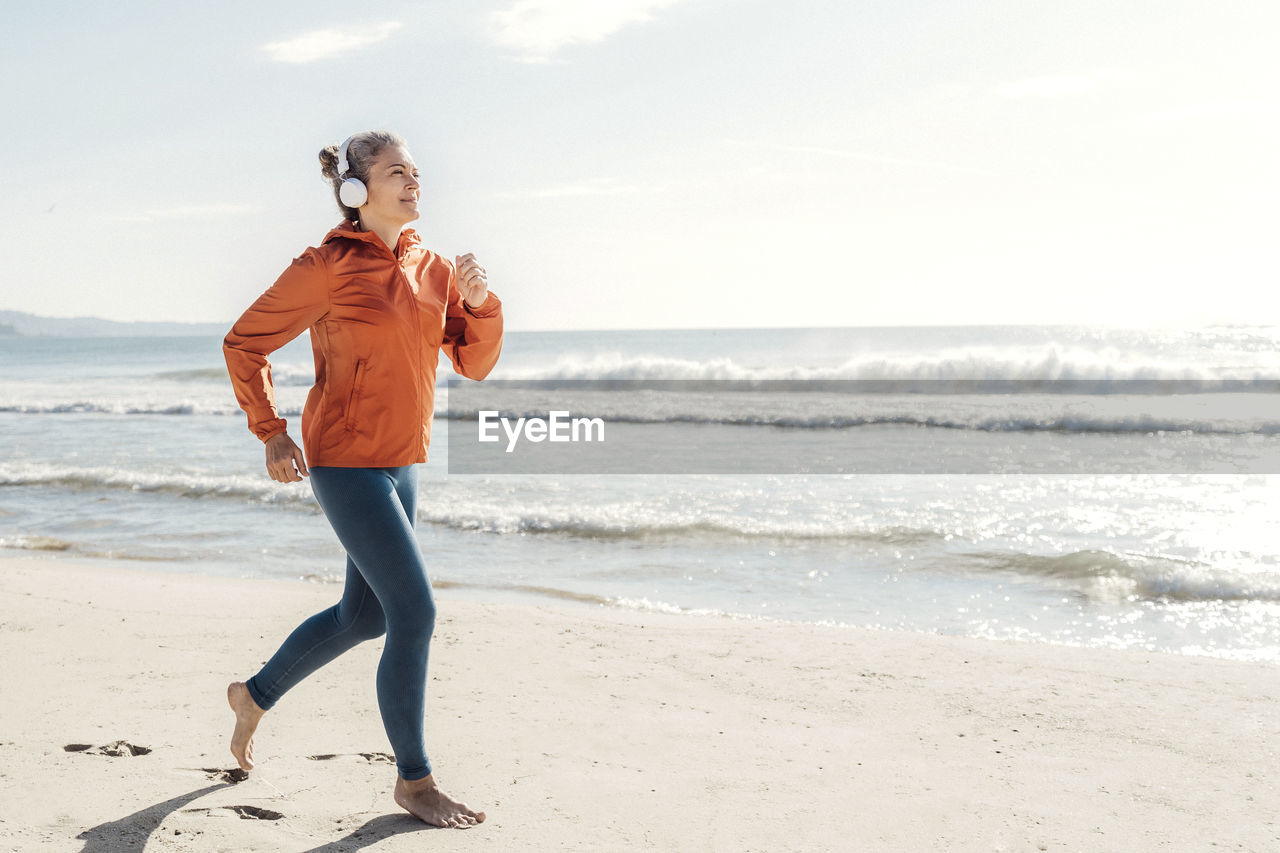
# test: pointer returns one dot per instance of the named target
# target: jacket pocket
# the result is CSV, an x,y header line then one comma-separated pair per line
x,y
349,414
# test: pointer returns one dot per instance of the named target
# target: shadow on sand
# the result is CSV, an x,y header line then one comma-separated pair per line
x,y
129,834
372,831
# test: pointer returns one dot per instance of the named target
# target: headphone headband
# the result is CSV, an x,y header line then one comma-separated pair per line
x,y
343,165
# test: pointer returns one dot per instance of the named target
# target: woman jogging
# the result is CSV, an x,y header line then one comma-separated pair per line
x,y
379,308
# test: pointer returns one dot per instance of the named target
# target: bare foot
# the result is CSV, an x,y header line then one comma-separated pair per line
x,y
422,799
247,716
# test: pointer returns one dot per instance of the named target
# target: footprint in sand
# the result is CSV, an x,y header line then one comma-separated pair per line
x,y
242,812
235,775
118,749
371,757
254,813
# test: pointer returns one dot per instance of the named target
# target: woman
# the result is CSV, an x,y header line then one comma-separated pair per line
x,y
379,308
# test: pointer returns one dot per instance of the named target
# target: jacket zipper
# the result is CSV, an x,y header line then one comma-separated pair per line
x,y
417,325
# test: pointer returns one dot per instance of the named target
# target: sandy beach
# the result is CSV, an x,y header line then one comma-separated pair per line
x,y
580,728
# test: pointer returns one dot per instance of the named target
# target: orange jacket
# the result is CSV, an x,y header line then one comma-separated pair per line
x,y
377,324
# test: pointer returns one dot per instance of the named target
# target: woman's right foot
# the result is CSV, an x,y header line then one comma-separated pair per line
x,y
422,799
247,716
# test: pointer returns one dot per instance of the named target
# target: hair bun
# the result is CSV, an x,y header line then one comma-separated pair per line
x,y
329,162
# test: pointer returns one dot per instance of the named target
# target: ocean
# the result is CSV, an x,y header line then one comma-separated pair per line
x,y
133,449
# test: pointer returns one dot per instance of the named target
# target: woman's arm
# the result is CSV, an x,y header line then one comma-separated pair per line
x,y
472,335
297,300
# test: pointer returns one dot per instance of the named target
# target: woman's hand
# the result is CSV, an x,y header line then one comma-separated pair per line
x,y
282,455
471,279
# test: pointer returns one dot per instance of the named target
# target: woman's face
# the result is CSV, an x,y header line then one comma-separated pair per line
x,y
393,188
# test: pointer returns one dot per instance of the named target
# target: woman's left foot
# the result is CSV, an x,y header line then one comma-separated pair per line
x,y
247,716
422,799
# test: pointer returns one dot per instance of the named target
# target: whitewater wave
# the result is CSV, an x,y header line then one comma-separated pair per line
x,y
283,373
650,606
584,521
184,485
1132,575
966,366
35,543
996,365
609,526
135,407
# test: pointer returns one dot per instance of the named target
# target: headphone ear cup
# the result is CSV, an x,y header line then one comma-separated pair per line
x,y
353,193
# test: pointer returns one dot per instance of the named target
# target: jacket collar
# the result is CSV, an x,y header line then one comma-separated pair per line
x,y
347,230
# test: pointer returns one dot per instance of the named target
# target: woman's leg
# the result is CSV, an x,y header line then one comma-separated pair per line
x,y
367,509
372,511
421,797
355,618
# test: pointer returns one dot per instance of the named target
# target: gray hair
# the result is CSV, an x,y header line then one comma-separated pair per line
x,y
363,150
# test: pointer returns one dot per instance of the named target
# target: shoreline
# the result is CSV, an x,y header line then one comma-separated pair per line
x,y
608,728
535,595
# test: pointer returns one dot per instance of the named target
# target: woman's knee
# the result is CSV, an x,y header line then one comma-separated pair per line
x,y
366,622
423,614
370,625
415,619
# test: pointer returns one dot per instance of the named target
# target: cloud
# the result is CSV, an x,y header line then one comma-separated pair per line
x,y
326,44
848,154
199,210
536,29
599,187
1063,85
1055,86
188,211
1208,110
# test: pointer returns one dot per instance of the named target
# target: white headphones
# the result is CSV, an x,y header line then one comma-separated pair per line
x,y
352,192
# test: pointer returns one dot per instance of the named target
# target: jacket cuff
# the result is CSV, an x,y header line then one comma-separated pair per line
x,y
491,307
269,429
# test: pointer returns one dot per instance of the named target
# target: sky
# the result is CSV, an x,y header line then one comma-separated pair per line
x,y
663,163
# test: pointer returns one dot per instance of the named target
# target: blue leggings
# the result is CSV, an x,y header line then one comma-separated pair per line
x,y
387,591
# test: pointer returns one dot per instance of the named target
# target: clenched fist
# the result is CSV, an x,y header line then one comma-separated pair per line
x,y
471,279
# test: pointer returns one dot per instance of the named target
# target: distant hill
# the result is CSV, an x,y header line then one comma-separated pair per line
x,y
33,325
